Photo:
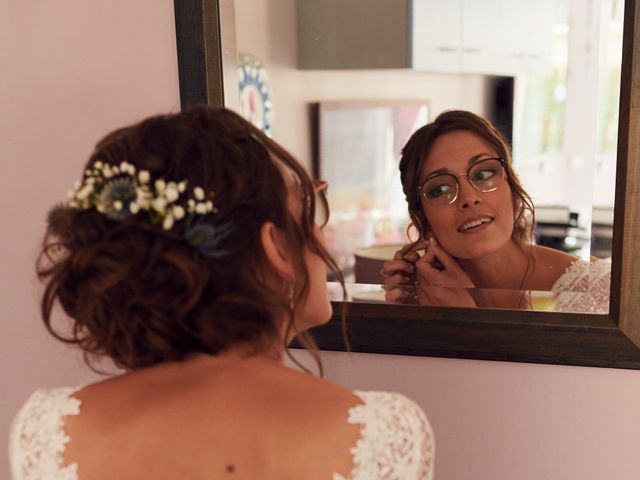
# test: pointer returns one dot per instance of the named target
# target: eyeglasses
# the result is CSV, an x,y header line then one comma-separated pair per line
x,y
485,176
322,204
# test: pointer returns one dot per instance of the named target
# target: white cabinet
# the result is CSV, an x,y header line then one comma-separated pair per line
x,y
493,37
481,36
436,33
527,28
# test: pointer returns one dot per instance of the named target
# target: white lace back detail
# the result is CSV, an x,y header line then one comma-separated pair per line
x,y
38,440
396,441
584,287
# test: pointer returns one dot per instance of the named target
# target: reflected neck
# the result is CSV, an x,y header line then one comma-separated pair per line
x,y
506,268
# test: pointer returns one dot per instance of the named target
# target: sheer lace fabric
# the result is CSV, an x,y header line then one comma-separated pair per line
x,y
396,440
38,440
584,287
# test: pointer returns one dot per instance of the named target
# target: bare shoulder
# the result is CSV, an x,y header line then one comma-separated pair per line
x,y
550,264
202,387
551,256
252,416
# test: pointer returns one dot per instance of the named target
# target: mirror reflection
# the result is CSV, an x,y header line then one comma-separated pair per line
x,y
545,73
474,225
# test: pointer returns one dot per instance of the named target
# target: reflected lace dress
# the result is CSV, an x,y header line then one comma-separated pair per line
x,y
396,440
584,287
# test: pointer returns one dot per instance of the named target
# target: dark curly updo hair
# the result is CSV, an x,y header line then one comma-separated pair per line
x,y
140,294
417,150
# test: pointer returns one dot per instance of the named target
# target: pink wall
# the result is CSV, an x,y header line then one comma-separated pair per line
x,y
507,421
71,71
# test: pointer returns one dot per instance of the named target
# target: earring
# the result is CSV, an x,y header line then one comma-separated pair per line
x,y
292,290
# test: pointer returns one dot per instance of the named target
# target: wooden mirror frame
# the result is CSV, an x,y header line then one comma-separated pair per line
x,y
508,335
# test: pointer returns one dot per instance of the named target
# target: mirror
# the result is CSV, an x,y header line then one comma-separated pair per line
x,y
548,96
207,55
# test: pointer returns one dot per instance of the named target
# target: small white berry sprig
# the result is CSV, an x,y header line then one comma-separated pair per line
x,y
120,191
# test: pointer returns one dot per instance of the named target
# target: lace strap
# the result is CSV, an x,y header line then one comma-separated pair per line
x,y
37,440
396,441
583,276
584,287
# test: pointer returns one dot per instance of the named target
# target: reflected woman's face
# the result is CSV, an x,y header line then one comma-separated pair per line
x,y
476,223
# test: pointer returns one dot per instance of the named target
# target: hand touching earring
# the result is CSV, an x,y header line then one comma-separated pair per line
x,y
440,280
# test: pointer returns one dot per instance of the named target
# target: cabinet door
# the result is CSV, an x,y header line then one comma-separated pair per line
x,y
515,28
481,39
436,31
541,35
527,28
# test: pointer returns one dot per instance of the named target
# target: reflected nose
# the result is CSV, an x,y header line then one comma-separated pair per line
x,y
467,194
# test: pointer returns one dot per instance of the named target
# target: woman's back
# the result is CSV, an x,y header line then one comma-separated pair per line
x,y
190,238
210,417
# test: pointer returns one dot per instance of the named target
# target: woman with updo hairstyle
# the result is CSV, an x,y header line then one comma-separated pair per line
x,y
190,255
474,223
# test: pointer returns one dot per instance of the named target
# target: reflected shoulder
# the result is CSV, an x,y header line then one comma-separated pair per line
x,y
550,264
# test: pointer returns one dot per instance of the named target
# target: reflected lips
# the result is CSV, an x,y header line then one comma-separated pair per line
x,y
475,223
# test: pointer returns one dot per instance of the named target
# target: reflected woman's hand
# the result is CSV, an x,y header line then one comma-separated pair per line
x,y
399,273
440,280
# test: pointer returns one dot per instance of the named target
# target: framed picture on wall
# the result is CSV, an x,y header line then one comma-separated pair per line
x,y
358,146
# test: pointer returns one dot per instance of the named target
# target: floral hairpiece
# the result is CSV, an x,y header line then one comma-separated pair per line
x,y
119,192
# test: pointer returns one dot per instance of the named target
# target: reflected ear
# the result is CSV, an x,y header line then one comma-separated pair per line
x,y
516,202
276,250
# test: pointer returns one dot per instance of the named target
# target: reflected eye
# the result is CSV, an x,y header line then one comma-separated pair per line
x,y
486,173
483,175
440,186
438,190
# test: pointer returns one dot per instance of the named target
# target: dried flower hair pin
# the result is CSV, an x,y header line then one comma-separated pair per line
x,y
118,192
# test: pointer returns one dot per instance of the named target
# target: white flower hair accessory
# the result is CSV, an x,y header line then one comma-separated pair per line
x,y
119,192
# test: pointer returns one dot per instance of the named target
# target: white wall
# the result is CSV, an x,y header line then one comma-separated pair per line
x,y
73,70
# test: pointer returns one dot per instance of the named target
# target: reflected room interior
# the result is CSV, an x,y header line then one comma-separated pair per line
x,y
566,101
360,93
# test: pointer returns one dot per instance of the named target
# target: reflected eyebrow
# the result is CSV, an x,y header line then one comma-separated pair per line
x,y
471,161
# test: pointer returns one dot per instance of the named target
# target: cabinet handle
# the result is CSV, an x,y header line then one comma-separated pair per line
x,y
447,49
471,50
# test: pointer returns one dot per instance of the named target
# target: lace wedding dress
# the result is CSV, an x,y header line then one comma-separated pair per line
x,y
396,441
584,287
